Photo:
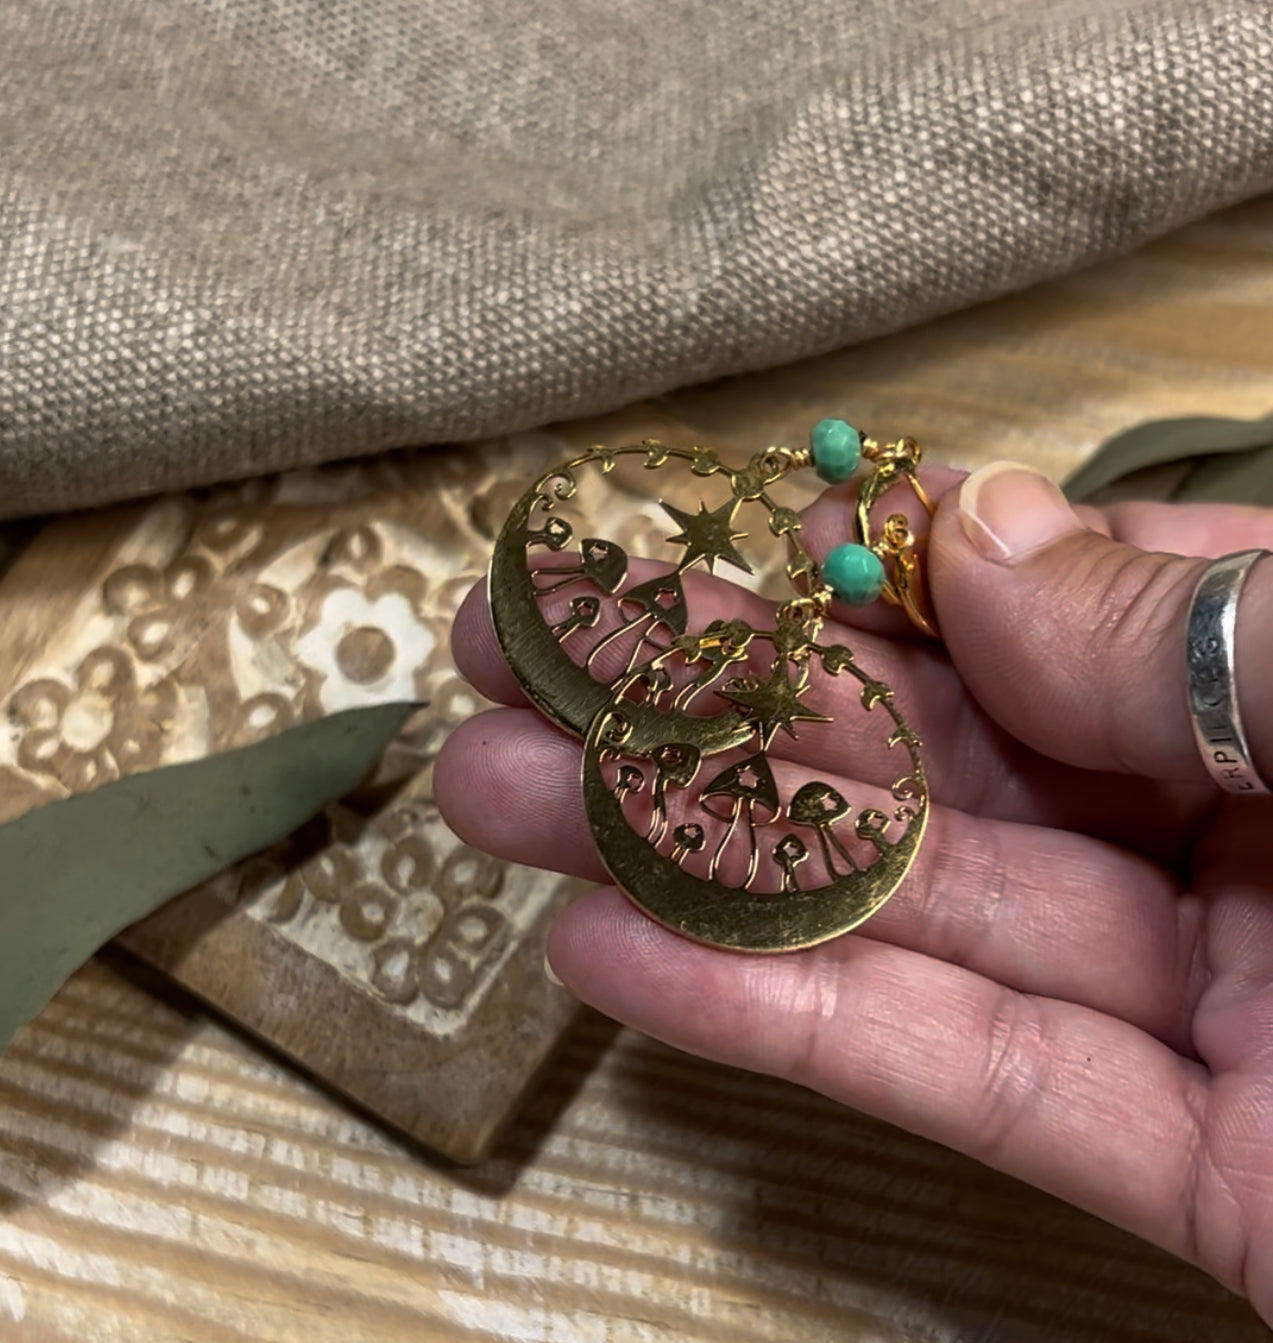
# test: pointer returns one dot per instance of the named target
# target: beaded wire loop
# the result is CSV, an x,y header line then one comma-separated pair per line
x,y
884,563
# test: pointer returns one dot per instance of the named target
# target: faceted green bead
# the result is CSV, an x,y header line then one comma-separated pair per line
x,y
837,450
854,574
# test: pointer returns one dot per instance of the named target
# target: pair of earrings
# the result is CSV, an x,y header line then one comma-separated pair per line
x,y
700,810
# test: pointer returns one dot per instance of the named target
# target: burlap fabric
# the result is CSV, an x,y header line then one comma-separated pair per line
x,y
246,234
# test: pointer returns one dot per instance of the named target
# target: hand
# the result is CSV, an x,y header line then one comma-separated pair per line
x,y
1075,983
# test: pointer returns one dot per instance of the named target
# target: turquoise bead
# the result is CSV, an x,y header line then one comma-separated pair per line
x,y
854,574
837,450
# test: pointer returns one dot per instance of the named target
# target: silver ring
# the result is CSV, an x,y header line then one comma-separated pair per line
x,y
1213,691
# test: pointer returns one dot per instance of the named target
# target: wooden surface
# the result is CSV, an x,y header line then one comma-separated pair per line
x,y
185,625
161,1178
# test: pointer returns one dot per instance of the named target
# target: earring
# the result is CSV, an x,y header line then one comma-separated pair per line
x,y
696,804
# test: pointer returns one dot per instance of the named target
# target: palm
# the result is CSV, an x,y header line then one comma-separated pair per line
x,y
1047,991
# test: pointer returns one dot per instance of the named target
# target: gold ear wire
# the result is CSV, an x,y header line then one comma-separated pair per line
x,y
895,544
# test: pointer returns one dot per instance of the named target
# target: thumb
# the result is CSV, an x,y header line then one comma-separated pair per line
x,y
1074,642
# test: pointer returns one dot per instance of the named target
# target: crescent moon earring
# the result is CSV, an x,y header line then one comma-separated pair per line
x,y
573,617
699,807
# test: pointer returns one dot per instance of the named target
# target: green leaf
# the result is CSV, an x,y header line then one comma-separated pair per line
x,y
1160,443
77,872
1240,478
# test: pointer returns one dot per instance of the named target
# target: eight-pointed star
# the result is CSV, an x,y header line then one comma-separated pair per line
x,y
708,536
773,703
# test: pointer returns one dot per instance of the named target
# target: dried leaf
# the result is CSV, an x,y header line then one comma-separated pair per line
x,y
1168,452
77,872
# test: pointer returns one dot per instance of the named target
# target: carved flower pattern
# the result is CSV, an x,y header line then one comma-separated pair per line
x,y
98,729
162,606
364,649
232,521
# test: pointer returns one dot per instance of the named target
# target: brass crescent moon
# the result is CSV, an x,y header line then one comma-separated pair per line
x,y
706,910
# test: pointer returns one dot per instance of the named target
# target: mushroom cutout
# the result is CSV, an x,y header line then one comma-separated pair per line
x,y
820,806
689,838
659,601
675,763
789,853
554,535
584,614
749,786
600,561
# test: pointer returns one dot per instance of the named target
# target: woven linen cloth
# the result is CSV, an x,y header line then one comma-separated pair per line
x,y
239,235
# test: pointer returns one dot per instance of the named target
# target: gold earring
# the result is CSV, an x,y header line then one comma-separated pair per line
x,y
695,809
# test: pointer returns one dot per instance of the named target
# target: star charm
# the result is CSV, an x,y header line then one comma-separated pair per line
x,y
773,703
708,536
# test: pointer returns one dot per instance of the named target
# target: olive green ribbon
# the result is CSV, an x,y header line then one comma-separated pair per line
x,y
1205,459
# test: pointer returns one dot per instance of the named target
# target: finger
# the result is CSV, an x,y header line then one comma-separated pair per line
x,y
1045,911
828,522
507,782
1233,1026
476,650
480,659
1078,1103
1210,530
1074,641
919,676
971,762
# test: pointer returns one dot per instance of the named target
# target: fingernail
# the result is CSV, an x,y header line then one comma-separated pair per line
x,y
551,975
1009,510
